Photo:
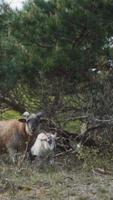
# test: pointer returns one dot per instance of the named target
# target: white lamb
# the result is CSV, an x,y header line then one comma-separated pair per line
x,y
44,146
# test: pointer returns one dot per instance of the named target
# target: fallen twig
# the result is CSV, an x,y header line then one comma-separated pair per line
x,y
99,171
65,152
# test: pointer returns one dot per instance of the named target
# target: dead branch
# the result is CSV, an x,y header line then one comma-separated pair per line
x,y
91,129
104,120
99,171
75,118
65,152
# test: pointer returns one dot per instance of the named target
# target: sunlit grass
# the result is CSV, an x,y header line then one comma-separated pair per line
x,y
10,114
73,126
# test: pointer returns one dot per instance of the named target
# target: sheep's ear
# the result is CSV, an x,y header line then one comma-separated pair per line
x,y
40,114
22,120
26,114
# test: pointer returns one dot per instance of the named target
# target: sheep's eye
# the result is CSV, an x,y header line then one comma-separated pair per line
x,y
28,121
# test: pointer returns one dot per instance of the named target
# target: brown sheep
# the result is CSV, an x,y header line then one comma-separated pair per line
x,y
15,134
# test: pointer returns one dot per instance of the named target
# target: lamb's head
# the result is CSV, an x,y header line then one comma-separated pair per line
x,y
47,140
51,140
44,142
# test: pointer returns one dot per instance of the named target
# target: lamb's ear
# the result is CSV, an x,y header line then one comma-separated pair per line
x,y
22,120
55,135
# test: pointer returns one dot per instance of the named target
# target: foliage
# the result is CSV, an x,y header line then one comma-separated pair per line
x,y
48,50
62,37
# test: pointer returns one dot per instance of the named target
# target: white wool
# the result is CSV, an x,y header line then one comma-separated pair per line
x,y
41,146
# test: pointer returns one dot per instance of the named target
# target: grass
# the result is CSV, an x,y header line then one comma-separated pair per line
x,y
73,126
10,114
60,182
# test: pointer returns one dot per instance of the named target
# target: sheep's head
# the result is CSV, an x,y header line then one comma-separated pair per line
x,y
32,121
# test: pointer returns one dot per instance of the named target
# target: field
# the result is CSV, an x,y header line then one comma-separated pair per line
x,y
60,182
71,178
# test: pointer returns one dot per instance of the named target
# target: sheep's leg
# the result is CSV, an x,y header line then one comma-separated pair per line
x,y
12,154
52,159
